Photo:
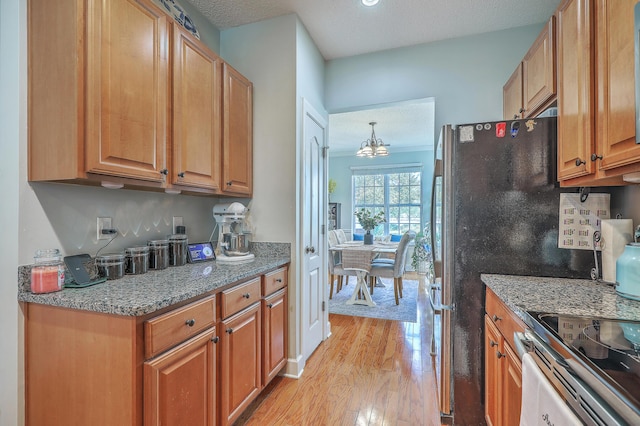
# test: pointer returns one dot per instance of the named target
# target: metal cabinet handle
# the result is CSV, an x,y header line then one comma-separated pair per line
x,y
246,296
579,161
310,249
215,339
595,157
279,280
492,343
229,183
496,318
270,305
500,354
164,172
190,322
229,330
181,174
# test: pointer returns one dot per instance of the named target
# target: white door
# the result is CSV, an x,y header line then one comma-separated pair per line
x,y
314,317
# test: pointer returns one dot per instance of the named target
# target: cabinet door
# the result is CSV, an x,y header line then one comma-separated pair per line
x,y
539,71
237,141
197,88
240,363
179,386
511,386
512,96
616,101
274,342
575,87
492,372
127,85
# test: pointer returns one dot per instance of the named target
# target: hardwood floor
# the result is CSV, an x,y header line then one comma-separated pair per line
x,y
369,372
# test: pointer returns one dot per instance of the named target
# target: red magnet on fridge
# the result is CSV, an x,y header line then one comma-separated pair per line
x,y
501,129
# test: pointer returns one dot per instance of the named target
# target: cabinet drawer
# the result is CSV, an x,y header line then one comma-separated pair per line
x,y
239,297
274,281
504,319
167,330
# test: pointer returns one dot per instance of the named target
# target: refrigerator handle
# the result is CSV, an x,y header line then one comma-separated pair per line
x,y
437,172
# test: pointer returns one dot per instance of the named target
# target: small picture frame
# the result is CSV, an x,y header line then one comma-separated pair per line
x,y
201,252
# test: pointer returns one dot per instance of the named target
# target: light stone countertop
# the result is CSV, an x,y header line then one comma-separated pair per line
x,y
561,296
136,295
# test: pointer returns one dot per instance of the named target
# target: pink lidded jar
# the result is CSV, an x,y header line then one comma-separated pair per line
x,y
47,274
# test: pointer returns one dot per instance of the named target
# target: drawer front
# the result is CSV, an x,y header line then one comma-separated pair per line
x,y
274,281
174,327
239,297
505,320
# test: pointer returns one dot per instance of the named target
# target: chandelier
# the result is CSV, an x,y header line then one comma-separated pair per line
x,y
372,147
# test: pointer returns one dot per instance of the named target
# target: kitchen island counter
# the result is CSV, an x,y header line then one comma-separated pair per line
x,y
564,296
137,295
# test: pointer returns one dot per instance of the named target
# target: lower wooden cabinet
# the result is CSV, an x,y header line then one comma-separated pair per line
x,y
240,362
180,385
503,368
274,336
197,363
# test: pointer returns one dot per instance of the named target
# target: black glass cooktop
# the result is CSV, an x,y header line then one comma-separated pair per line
x,y
610,349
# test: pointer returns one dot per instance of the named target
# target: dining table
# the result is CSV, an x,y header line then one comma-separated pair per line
x,y
357,257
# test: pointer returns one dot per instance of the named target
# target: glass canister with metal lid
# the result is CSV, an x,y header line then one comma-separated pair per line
x,y
47,274
158,254
177,249
137,260
111,266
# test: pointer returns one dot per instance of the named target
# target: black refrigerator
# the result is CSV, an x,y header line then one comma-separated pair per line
x,y
495,209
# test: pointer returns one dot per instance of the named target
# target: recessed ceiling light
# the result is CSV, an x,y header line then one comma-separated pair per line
x,y
370,2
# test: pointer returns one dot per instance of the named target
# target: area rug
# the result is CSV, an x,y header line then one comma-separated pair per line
x,y
385,308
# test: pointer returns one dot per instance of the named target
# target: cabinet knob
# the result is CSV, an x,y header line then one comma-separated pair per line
x,y
595,157
270,305
499,354
279,280
496,318
190,322
492,343
229,330
521,110
164,172
579,161
216,339
515,116
181,174
229,183
246,296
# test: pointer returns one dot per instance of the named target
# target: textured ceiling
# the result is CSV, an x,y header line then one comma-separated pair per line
x,y
345,27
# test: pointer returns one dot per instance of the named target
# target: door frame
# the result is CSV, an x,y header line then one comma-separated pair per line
x,y
311,112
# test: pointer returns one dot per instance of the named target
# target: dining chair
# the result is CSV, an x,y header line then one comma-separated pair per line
x,y
336,271
395,270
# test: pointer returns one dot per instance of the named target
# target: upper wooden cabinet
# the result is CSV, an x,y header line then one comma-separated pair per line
x,y
98,100
237,142
596,105
197,95
512,108
532,86
124,94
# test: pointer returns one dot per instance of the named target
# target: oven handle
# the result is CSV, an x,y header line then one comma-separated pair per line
x,y
529,342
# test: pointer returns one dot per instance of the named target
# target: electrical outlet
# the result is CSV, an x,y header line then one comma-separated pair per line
x,y
177,221
103,223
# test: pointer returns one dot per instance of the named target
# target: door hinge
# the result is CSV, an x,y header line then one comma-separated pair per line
x,y
324,151
323,305
322,229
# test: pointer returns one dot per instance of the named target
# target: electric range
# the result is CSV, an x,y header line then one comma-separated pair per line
x,y
593,362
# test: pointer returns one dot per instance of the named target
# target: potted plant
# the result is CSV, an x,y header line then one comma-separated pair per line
x,y
368,222
331,187
422,260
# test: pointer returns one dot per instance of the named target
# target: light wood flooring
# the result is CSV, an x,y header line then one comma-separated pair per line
x,y
369,372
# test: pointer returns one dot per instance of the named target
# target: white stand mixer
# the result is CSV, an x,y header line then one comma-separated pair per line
x,y
234,235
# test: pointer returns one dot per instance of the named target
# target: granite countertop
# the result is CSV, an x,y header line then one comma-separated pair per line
x,y
136,295
561,296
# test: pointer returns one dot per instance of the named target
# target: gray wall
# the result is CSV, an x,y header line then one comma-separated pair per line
x,y
464,75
